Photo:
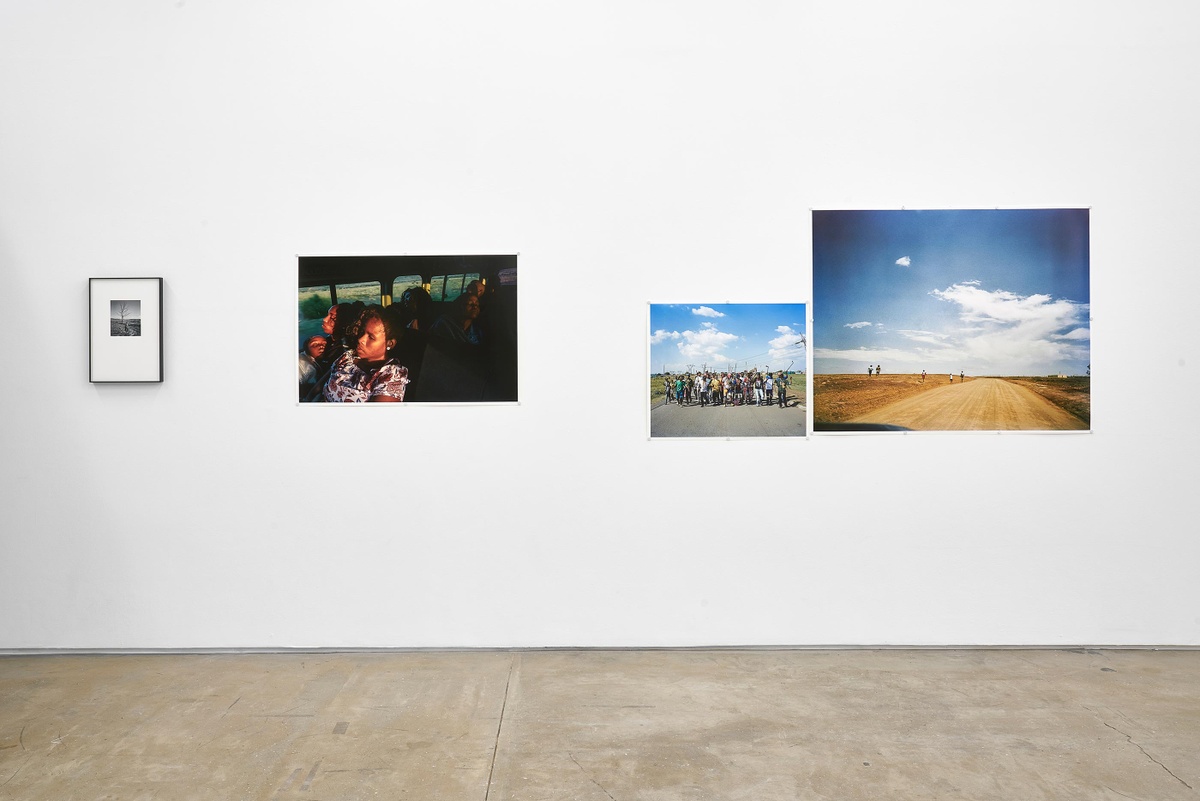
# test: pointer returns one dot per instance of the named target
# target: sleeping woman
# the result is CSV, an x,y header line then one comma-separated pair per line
x,y
369,372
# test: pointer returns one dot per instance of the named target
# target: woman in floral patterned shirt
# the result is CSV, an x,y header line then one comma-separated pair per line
x,y
369,372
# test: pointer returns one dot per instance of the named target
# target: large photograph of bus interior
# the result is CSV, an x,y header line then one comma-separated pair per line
x,y
407,329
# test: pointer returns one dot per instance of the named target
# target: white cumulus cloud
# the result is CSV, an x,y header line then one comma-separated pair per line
x,y
662,336
705,345
705,311
1010,334
788,345
857,325
893,358
904,261
925,337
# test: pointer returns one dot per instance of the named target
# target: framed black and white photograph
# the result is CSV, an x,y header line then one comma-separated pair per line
x,y
125,330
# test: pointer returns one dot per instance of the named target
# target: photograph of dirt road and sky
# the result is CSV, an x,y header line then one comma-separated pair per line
x,y
951,320
728,370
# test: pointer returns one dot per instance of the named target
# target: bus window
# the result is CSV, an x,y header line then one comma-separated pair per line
x,y
314,304
449,287
403,282
367,291
507,277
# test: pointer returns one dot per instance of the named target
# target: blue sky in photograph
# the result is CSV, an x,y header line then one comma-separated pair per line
x,y
726,336
986,292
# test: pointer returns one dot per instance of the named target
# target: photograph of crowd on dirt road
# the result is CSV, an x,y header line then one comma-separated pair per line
x,y
728,370
951,320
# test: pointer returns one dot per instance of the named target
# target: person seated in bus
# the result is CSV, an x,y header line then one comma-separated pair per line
x,y
416,308
314,346
455,367
414,317
369,372
337,326
458,325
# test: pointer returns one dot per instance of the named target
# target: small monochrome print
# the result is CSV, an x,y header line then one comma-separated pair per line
x,y
125,318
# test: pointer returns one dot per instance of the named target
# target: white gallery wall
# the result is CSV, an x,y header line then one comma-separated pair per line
x,y
630,152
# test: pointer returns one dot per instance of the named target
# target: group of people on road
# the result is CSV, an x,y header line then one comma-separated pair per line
x,y
873,369
746,388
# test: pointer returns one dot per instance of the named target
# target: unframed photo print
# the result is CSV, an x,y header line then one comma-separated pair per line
x,y
439,329
727,370
951,320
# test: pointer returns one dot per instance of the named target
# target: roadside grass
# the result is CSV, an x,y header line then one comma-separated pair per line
x,y
1072,393
840,397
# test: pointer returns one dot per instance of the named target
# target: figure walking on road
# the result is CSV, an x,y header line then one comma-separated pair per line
x,y
922,376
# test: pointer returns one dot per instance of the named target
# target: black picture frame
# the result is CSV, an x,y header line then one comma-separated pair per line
x,y
125,330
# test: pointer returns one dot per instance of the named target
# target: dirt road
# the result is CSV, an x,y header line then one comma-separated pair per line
x,y
984,404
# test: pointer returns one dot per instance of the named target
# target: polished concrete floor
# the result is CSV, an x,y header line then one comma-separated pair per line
x,y
1018,725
